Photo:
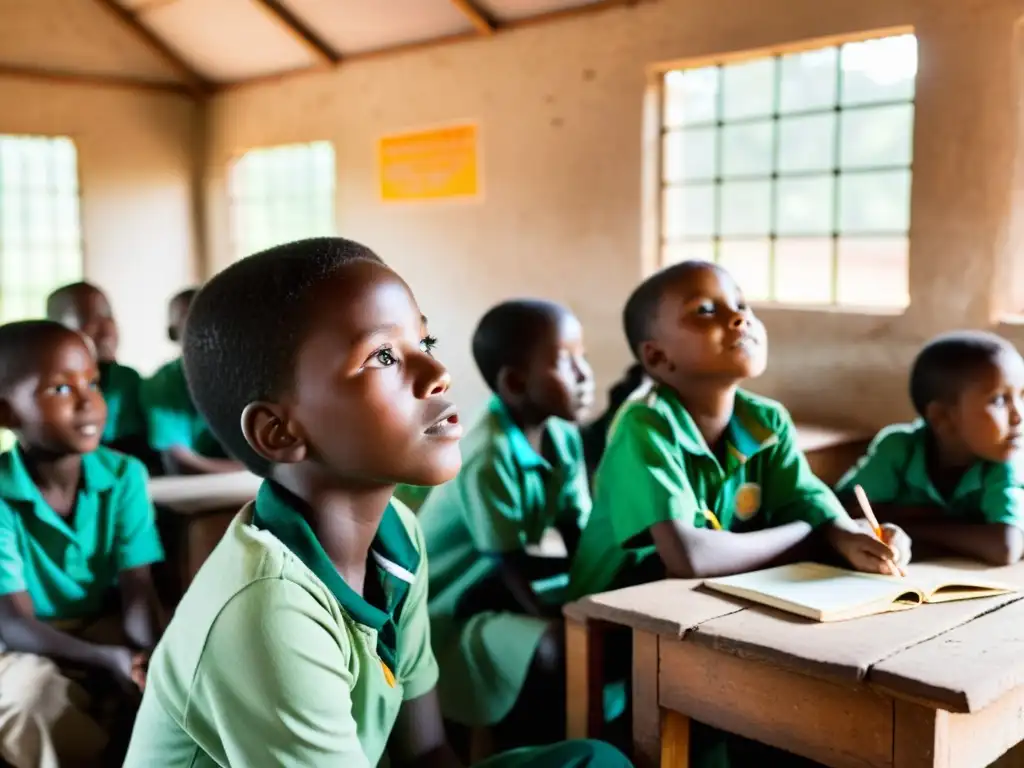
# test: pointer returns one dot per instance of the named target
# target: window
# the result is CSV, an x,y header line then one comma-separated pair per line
x,y
40,235
793,171
280,194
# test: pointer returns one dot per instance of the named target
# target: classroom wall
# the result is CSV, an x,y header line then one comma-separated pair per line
x,y
137,182
560,112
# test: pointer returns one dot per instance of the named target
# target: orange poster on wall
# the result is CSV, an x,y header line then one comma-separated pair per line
x,y
429,165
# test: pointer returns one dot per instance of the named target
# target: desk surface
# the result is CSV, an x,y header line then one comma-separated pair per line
x,y
201,493
959,657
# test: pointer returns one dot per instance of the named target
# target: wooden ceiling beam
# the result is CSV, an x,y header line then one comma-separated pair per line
x,y
461,37
301,31
196,83
480,21
92,78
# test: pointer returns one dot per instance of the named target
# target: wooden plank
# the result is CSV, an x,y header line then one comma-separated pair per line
x,y
842,651
646,698
300,30
199,494
584,670
87,78
196,83
920,737
670,607
480,21
840,725
965,669
982,738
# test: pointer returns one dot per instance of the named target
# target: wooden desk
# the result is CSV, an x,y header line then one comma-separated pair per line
x,y
940,686
192,514
831,450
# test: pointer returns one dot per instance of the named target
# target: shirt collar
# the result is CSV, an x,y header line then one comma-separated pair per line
x,y
917,474
280,512
747,432
522,451
16,484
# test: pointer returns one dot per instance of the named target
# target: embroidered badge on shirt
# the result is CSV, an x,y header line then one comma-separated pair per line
x,y
388,674
748,500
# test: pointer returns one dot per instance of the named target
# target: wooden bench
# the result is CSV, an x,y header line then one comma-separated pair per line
x,y
192,514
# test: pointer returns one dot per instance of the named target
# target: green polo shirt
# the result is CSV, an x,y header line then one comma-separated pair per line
x,y
67,566
657,467
121,387
504,498
171,416
895,471
272,659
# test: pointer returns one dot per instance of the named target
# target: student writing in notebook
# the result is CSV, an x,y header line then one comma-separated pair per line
x,y
701,478
954,479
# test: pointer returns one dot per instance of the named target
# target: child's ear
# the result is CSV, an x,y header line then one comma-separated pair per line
x,y
172,333
273,435
511,384
654,358
939,415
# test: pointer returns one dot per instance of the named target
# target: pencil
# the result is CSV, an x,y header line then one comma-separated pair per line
x,y
869,515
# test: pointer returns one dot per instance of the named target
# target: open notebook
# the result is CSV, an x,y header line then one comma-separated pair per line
x,y
825,593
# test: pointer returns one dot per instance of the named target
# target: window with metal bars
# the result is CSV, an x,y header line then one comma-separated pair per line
x,y
40,233
279,194
793,171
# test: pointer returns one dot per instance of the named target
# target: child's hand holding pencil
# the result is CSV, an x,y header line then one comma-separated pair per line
x,y
891,535
870,547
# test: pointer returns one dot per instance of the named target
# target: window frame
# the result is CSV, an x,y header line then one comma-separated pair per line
x,y
236,202
54,191
655,182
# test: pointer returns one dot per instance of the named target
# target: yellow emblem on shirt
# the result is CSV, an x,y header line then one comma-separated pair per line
x,y
389,676
748,500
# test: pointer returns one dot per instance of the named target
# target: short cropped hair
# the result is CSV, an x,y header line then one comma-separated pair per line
x,y
507,335
20,346
245,327
948,363
62,300
642,305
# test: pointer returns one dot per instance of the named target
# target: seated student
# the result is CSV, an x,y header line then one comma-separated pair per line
x,y
701,478
498,642
84,307
75,522
176,430
304,638
954,479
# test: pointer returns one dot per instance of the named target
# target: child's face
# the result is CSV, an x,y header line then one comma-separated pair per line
x,y
59,410
558,380
986,419
368,397
704,328
91,314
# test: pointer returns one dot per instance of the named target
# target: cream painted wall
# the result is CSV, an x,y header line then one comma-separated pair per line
x,y
560,110
136,159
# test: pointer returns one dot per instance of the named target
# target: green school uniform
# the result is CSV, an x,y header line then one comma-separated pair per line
x,y
272,659
895,471
171,415
505,497
657,467
121,387
67,566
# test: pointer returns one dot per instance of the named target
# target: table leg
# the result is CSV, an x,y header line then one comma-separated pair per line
x,y
584,678
647,750
920,736
675,740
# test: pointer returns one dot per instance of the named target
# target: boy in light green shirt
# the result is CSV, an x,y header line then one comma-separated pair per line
x,y
954,479
304,639
494,601
176,429
76,523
